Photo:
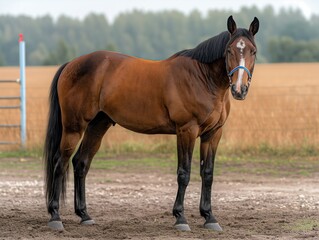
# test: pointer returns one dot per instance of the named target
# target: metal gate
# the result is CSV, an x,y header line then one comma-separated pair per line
x,y
22,97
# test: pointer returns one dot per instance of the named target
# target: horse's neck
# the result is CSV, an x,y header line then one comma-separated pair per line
x,y
215,74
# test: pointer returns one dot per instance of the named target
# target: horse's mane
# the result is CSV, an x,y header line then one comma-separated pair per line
x,y
214,48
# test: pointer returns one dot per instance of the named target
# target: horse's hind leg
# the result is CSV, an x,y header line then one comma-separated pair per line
x,y
70,138
82,160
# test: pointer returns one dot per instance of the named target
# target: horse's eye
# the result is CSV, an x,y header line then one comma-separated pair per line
x,y
229,51
253,52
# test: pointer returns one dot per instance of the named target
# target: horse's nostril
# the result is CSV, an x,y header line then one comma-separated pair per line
x,y
244,88
233,88
241,94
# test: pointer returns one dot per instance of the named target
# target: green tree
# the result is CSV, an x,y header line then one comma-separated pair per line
x,y
2,61
284,36
285,49
63,53
110,47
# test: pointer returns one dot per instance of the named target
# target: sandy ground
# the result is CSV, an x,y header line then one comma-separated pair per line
x,y
137,205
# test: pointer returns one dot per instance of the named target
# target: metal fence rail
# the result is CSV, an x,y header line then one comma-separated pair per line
x,y
22,106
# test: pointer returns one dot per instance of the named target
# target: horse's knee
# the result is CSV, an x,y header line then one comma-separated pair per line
x,y
60,167
183,176
207,177
81,167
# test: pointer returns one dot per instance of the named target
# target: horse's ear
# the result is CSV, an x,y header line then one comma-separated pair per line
x,y
231,25
254,26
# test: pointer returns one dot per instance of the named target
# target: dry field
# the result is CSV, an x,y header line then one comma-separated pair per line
x,y
281,109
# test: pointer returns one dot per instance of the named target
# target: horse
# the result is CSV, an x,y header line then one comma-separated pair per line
x,y
186,95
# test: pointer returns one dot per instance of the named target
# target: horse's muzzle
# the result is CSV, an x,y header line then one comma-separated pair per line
x,y
239,94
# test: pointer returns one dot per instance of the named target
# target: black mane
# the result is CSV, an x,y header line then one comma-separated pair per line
x,y
214,48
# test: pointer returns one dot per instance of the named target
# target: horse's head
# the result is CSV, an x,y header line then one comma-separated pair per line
x,y
240,57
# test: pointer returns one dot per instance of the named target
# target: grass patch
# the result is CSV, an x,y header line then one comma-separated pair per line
x,y
305,150
135,163
22,164
265,160
164,163
276,166
22,160
303,225
22,153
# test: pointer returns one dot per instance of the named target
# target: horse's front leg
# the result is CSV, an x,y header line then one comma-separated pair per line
x,y
208,149
185,144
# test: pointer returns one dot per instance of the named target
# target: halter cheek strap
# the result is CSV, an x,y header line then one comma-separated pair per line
x,y
230,74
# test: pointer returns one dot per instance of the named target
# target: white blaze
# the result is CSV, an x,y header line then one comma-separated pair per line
x,y
240,45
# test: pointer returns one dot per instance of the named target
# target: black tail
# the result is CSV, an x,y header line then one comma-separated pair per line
x,y
53,138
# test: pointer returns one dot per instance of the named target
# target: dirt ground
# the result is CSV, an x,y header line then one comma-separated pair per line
x,y
138,204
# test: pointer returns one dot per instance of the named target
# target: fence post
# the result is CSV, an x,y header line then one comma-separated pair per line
x,y
23,117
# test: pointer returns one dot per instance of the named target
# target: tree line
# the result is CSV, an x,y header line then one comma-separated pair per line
x,y
284,36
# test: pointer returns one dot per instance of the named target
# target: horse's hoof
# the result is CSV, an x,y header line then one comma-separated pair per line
x,y
182,227
56,225
213,226
88,222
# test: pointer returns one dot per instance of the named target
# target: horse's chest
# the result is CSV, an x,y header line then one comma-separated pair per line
x,y
215,120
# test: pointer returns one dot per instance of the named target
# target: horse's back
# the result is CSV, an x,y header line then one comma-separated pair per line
x,y
128,89
133,92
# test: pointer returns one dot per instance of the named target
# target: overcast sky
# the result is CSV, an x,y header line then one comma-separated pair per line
x,y
111,8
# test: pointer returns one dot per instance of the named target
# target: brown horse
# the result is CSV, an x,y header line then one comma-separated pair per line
x,y
186,94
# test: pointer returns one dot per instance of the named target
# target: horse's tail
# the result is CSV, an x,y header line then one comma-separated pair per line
x,y
53,137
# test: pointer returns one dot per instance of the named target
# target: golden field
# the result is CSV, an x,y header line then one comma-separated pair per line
x,y
281,109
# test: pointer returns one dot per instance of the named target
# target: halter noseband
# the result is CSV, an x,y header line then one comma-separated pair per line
x,y
231,73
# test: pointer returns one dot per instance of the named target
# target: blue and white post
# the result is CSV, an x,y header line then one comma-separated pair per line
x,y
23,118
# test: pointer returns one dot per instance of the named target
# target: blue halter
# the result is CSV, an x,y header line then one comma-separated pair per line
x,y
237,68
230,74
